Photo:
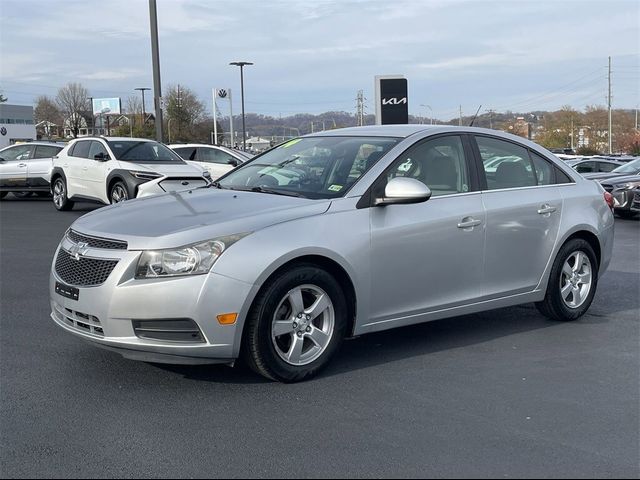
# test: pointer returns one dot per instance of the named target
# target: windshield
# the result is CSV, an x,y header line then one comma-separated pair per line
x,y
311,167
632,168
142,151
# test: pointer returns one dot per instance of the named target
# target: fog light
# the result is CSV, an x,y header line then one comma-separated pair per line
x,y
227,318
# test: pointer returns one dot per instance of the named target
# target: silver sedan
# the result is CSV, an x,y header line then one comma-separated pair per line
x,y
333,235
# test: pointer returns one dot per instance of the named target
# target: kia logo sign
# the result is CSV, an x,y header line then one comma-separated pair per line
x,y
394,101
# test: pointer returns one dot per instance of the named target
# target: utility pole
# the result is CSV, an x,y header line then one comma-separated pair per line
x,y
490,111
609,102
155,57
572,134
360,108
460,121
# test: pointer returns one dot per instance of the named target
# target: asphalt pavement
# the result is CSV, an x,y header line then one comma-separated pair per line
x,y
505,393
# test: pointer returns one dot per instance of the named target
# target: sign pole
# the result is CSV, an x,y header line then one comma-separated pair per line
x,y
215,118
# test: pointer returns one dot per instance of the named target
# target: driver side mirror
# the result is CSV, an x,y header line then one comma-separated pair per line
x,y
101,157
233,162
402,190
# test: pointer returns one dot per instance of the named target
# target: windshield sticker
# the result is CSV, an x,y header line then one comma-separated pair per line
x,y
291,143
335,188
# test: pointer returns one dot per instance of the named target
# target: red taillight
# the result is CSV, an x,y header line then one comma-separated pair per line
x,y
609,199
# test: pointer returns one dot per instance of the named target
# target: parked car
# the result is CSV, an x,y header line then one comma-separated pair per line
x,y
25,169
635,203
334,234
620,183
590,165
111,170
215,159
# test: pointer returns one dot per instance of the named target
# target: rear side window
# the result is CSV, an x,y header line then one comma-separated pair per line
x,y
543,170
81,149
187,153
586,167
46,151
506,165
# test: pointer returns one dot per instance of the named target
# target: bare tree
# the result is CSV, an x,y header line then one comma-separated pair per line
x,y
184,109
73,100
47,110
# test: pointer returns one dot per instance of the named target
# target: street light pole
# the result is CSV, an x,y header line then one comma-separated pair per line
x,y
155,57
244,130
429,107
144,113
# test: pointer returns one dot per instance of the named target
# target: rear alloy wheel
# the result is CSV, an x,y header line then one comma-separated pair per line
x,y
118,193
296,324
572,283
60,199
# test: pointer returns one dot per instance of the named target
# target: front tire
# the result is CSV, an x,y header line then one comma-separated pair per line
x,y
60,198
295,325
572,283
118,193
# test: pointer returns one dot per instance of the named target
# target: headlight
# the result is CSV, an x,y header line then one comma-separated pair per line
x,y
146,175
190,260
626,186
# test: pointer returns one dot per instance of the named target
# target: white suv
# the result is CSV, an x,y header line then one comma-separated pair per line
x,y
111,170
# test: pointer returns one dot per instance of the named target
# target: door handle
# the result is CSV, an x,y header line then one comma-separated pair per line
x,y
22,165
65,165
85,168
546,209
469,222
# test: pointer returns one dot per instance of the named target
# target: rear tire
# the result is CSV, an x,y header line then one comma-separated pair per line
x,y
3,194
60,199
572,282
285,338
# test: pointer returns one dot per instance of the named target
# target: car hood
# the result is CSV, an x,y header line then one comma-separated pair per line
x,y
619,179
182,218
168,169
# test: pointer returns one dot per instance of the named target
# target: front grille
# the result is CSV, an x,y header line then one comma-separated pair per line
x,y
85,272
179,330
79,321
95,242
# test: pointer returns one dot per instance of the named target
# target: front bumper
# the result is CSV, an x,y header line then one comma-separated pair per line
x,y
105,314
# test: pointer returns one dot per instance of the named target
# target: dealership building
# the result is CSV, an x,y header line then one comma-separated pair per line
x,y
16,124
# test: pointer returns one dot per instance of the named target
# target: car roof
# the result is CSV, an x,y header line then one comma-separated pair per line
x,y
38,142
116,139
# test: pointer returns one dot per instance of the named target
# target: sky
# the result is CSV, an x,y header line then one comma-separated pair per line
x,y
312,56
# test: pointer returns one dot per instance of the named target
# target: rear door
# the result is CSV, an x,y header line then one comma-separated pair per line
x,y
39,168
428,256
13,167
523,208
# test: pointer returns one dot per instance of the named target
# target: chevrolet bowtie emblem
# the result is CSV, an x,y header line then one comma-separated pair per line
x,y
77,250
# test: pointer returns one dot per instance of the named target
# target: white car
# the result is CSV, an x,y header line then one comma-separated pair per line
x,y
26,168
215,159
112,169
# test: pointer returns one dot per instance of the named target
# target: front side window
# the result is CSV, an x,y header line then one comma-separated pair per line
x,y
46,151
20,152
141,151
96,149
213,155
606,166
439,163
311,167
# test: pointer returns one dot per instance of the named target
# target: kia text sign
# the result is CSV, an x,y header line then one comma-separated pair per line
x,y
392,105
106,106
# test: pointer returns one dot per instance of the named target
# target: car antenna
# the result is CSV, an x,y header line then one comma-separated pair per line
x,y
475,116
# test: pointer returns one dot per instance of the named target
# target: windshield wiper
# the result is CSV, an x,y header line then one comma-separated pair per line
x,y
272,191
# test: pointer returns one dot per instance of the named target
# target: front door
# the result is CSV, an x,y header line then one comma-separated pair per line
x,y
13,167
428,256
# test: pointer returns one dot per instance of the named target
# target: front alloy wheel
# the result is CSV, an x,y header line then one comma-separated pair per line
x,y
303,325
296,324
119,193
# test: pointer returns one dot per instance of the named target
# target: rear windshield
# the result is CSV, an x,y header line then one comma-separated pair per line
x,y
139,151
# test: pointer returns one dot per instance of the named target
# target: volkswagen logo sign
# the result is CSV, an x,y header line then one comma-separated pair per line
x,y
222,93
3,131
